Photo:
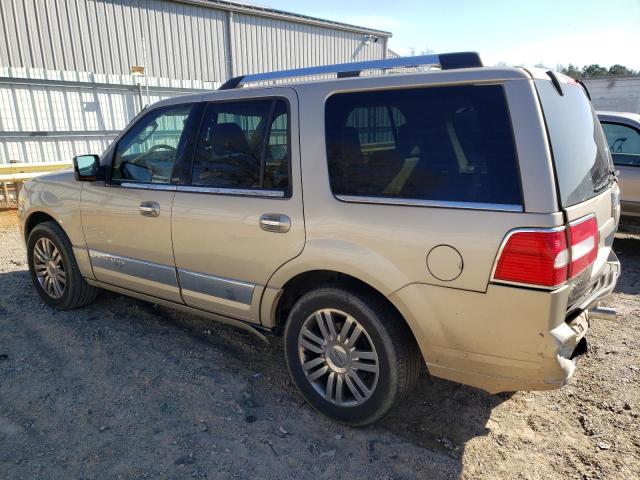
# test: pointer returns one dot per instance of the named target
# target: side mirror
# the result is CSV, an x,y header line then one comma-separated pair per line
x,y
86,167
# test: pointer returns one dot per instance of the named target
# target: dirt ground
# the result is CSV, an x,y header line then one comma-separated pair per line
x,y
123,389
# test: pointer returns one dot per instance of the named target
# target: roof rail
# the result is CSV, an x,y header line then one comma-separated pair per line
x,y
446,61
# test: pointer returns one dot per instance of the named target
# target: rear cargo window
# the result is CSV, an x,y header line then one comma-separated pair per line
x,y
579,148
440,143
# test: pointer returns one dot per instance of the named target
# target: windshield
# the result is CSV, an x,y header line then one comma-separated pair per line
x,y
580,153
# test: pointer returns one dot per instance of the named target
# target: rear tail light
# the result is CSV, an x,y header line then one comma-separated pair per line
x,y
534,257
547,257
584,239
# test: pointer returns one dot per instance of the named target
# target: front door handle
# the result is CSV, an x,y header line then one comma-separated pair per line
x,y
275,222
149,209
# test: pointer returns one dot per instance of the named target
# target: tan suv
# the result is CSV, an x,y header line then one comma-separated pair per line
x,y
462,217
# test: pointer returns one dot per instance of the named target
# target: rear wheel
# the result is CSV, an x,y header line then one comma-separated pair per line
x,y
54,270
350,354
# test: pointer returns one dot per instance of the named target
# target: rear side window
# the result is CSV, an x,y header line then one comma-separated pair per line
x,y
243,144
579,149
439,143
624,143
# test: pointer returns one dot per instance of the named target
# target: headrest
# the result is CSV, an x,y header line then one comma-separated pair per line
x,y
227,138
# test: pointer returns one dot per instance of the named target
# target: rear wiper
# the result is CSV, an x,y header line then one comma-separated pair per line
x,y
606,182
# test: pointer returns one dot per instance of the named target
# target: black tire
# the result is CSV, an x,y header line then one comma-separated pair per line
x,y
77,292
398,356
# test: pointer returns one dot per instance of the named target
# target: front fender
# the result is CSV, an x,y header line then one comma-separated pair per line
x,y
58,196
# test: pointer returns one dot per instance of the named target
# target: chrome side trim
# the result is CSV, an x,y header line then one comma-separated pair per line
x,y
135,268
148,186
231,191
431,203
213,190
219,287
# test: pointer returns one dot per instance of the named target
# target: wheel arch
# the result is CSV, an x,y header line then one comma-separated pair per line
x,y
35,218
304,282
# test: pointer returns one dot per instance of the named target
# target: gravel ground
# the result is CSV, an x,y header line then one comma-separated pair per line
x,y
123,389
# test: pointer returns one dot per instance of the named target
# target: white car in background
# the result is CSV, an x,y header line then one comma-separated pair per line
x,y
622,130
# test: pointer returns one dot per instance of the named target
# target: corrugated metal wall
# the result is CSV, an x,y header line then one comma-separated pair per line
x,y
264,44
183,41
105,36
619,94
53,119
50,44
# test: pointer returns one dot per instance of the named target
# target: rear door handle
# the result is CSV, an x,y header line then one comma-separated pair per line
x,y
275,222
149,209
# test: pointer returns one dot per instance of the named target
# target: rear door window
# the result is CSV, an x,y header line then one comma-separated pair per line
x,y
243,145
624,143
579,148
440,143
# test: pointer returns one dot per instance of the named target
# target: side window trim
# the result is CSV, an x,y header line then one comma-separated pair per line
x,y
435,203
411,202
249,192
110,182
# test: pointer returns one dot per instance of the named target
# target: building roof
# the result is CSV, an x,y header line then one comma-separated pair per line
x,y
251,9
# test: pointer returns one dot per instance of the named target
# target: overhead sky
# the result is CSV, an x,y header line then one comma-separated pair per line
x,y
517,32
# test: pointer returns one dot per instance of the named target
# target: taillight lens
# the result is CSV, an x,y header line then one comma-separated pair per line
x,y
548,257
536,257
584,239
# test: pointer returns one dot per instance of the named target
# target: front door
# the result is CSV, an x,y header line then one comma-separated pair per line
x,y
127,219
240,216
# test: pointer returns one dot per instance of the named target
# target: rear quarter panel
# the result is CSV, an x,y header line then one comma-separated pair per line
x,y
386,246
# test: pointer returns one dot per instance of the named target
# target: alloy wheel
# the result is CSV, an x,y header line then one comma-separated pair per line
x,y
49,268
338,357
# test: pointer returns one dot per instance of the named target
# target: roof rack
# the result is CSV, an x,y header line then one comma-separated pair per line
x,y
446,61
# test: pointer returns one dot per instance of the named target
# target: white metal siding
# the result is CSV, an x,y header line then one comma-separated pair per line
x,y
52,117
189,45
264,44
105,36
183,41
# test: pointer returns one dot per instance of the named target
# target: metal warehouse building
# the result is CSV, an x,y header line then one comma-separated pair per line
x,y
65,65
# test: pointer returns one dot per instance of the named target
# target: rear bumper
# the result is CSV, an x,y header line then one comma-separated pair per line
x,y
506,339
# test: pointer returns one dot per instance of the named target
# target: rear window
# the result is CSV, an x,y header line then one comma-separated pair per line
x,y
579,148
440,143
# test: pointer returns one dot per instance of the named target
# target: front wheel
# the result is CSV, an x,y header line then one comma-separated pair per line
x,y
54,270
350,354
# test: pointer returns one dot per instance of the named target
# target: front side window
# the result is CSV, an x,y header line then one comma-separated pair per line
x,y
243,145
148,152
624,143
439,143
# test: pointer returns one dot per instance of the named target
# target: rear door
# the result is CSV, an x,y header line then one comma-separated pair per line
x,y
239,217
583,166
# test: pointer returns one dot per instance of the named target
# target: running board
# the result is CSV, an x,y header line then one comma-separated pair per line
x,y
254,329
